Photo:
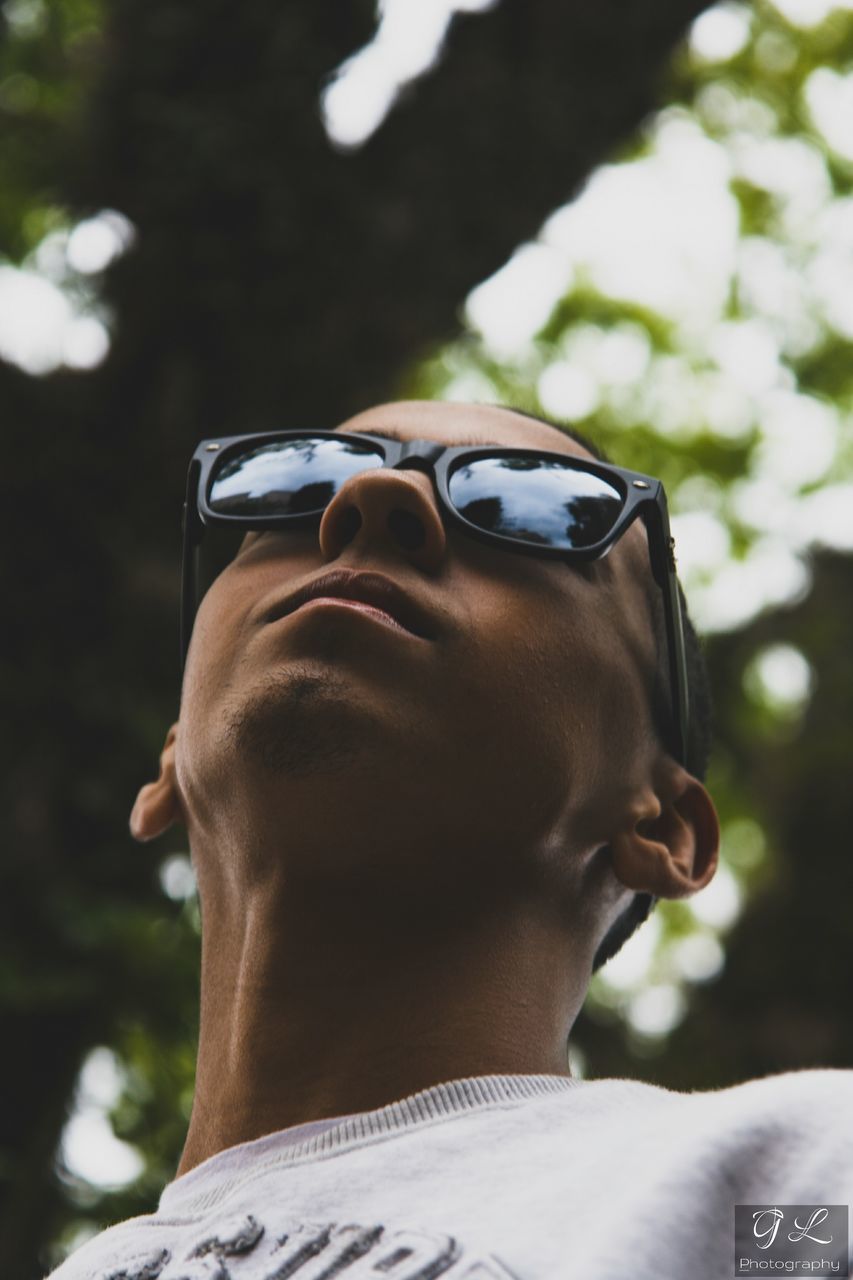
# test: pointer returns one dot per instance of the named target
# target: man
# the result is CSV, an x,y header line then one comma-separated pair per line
x,y
414,828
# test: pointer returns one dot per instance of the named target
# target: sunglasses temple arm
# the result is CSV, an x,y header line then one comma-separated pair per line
x,y
679,674
661,549
192,533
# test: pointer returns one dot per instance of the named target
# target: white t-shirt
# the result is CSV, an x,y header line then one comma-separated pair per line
x,y
500,1177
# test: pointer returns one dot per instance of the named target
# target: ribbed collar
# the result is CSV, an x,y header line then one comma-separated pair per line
x,y
209,1183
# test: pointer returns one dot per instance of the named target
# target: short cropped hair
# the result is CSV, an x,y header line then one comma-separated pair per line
x,y
700,727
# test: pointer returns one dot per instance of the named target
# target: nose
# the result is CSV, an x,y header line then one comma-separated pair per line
x,y
395,510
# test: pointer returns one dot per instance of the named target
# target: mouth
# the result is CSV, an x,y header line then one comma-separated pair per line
x,y
371,593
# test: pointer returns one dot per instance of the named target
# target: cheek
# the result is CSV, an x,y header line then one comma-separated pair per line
x,y
520,694
219,639
221,630
615,702
207,650
548,701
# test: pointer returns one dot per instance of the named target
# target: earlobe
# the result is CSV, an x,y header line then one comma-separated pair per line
x,y
158,804
672,848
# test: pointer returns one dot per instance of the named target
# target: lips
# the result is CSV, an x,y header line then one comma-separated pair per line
x,y
365,588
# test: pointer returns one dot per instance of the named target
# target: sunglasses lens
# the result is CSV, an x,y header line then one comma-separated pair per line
x,y
288,477
536,500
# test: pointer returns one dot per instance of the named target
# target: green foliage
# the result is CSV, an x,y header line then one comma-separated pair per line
x,y
48,52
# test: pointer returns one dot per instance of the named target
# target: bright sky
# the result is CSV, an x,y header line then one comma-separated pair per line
x,y
408,42
49,312
89,1148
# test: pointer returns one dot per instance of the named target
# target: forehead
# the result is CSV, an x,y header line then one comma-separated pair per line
x,y
461,424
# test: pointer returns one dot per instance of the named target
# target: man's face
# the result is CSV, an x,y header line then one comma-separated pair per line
x,y
507,741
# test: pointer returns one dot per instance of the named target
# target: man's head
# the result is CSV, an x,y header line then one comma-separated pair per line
x,y
513,752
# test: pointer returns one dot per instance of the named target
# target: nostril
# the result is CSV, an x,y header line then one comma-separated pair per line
x,y
407,529
349,523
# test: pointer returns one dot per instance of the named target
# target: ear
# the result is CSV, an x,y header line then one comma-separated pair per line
x,y
158,804
672,845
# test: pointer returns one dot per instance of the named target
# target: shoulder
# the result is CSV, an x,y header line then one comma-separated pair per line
x,y
804,1093
800,1099
806,1105
784,1135
814,1084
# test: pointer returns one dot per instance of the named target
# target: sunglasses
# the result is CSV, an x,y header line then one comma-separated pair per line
x,y
527,501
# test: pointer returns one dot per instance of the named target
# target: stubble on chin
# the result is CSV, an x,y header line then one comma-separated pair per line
x,y
297,723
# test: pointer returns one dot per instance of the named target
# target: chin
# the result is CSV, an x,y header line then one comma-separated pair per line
x,y
300,722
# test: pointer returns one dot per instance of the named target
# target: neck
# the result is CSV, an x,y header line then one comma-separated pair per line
x,y
315,1006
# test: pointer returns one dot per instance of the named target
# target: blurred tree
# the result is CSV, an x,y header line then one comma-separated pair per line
x,y
271,278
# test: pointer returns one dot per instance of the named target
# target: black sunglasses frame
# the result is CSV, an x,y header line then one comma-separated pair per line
x,y
643,497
